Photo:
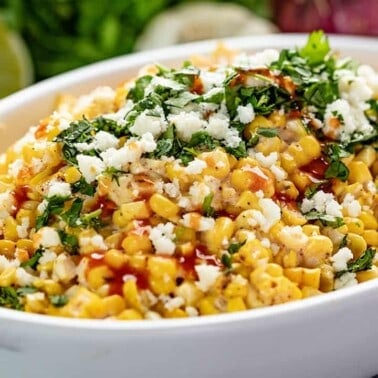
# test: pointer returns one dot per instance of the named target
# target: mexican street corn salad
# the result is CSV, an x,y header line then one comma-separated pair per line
x,y
232,183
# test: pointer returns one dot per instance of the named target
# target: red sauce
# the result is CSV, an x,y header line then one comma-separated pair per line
x,y
286,200
119,275
197,86
294,114
20,195
200,255
316,168
106,205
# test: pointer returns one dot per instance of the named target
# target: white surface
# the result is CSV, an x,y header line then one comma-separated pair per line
x,y
335,335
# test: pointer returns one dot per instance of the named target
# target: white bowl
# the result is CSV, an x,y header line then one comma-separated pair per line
x,y
334,335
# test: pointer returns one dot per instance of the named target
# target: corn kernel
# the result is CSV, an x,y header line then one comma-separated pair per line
x,y
134,243
317,251
311,277
367,275
7,248
114,305
371,237
72,175
131,211
357,244
98,276
130,314
369,220
115,258
367,155
359,172
10,229
206,306
236,304
222,230
218,165
163,206
163,272
259,121
8,277
131,295
354,225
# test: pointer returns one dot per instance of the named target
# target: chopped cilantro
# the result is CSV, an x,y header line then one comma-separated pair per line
x,y
114,173
234,247
336,168
136,93
83,187
92,220
33,261
207,209
267,132
54,206
69,241
9,298
226,260
72,215
231,250
58,300
325,219
364,262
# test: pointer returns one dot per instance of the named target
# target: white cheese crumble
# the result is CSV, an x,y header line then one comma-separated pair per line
x,y
293,237
351,205
23,278
346,280
162,237
195,167
49,237
146,123
207,275
22,229
174,303
95,242
341,258
6,204
187,123
61,189
266,161
322,202
245,114
268,217
197,222
90,167
15,167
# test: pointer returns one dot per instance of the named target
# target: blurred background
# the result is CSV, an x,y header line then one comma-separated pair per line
x,y
42,38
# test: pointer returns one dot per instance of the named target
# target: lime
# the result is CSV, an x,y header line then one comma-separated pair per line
x,y
16,69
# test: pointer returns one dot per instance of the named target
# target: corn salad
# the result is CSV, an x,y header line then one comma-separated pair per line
x,y
232,183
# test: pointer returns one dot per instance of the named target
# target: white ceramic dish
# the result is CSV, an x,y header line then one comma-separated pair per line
x,y
335,335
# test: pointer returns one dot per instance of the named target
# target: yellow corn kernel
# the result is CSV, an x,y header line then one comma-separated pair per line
x,y
290,260
114,305
7,248
311,277
189,292
236,289
369,220
259,121
367,155
114,240
163,272
326,278
277,118
287,188
308,291
311,229
134,243
274,270
218,165
115,258
311,146
317,251
359,172
357,244
98,276
354,225
371,237
292,217
175,313
367,275
294,274
138,262
131,211
248,200
163,206
301,180
185,234
35,304
206,306
269,145
185,249
288,162
50,287
131,295
130,314
222,230
10,229
8,277
95,308
236,304
72,175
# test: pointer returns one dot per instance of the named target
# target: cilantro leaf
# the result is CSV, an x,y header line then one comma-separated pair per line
x,y
114,173
72,215
336,168
207,209
231,250
69,241
226,260
83,187
234,247
316,48
92,220
33,261
239,152
364,262
325,219
136,93
58,300
267,132
54,206
9,298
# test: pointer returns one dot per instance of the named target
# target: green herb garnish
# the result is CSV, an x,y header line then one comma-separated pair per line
x,y
33,261
58,300
207,209
364,262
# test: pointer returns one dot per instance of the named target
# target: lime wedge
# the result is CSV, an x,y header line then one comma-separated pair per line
x,y
16,68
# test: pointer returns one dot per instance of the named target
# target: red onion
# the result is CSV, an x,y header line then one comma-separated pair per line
x,y
333,16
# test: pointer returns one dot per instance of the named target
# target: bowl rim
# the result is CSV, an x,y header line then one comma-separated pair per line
x,y
171,53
